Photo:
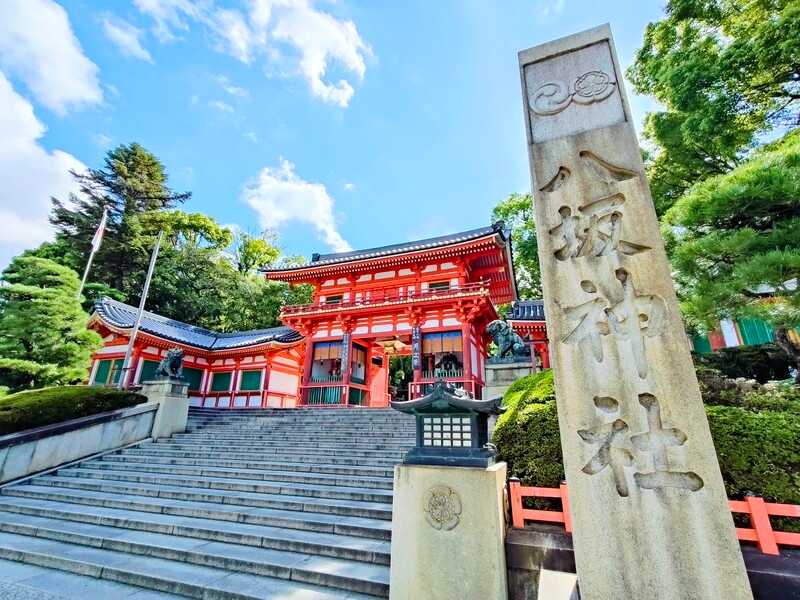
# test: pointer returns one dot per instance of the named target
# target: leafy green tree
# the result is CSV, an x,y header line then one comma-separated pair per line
x,y
255,252
131,183
517,213
43,335
725,71
735,243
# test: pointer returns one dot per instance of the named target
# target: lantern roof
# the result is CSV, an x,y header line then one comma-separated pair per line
x,y
446,398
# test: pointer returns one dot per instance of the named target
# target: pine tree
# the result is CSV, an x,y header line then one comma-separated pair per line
x,y
43,335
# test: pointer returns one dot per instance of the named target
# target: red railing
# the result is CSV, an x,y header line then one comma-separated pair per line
x,y
252,399
759,511
418,388
516,492
761,531
396,293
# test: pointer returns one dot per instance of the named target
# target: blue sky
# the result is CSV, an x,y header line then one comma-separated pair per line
x,y
348,123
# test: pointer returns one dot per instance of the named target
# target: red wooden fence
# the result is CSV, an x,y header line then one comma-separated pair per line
x,y
760,531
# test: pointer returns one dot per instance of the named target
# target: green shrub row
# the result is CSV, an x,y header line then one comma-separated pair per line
x,y
47,406
758,447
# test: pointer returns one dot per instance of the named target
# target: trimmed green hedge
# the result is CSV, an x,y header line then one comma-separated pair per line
x,y
37,408
758,447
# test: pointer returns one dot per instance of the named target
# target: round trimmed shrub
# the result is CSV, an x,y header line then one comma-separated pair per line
x,y
758,450
46,406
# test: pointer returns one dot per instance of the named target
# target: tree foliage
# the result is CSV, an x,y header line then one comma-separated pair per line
x,y
726,71
517,213
203,276
735,242
43,335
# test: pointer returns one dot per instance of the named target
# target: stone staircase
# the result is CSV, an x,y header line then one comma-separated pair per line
x,y
292,504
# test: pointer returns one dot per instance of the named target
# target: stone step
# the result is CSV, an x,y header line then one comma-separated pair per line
x,y
235,463
328,571
379,529
372,510
316,441
258,456
236,448
244,473
161,574
279,538
20,581
260,486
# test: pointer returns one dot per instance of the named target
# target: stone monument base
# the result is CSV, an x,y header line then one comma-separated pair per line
x,y
448,531
500,376
172,396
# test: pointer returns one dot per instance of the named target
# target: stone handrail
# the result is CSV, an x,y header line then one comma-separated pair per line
x,y
28,452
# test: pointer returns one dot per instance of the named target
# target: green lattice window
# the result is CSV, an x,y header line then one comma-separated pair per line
x,y
221,382
251,381
148,372
194,377
108,372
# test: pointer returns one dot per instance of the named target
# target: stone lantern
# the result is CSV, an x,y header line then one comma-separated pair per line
x,y
452,428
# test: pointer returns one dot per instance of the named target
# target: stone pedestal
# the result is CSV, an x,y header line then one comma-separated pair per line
x,y
500,376
448,531
649,509
172,396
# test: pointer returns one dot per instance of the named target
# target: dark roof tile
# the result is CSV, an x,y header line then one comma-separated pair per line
x,y
123,315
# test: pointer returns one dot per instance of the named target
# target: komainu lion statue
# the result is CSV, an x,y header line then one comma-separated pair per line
x,y
507,341
171,365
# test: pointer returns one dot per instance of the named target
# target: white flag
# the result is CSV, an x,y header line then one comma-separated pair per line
x,y
98,235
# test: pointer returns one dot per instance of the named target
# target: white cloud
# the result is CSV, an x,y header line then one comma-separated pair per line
x,y
548,8
169,15
233,90
31,175
315,39
126,37
278,195
101,139
251,135
349,187
37,45
221,106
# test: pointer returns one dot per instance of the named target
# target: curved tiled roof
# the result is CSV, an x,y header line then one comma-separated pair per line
x,y
123,316
527,310
318,260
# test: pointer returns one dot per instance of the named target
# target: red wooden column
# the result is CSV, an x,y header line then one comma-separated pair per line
x,y
308,332
466,345
131,374
346,357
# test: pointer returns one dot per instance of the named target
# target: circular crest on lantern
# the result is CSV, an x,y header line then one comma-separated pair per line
x,y
442,507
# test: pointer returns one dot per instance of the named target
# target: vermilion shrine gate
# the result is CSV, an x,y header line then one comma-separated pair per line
x,y
428,300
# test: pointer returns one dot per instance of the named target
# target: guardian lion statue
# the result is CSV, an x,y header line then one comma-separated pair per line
x,y
171,365
507,341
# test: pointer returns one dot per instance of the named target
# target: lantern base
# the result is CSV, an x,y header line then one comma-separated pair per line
x,y
451,457
448,532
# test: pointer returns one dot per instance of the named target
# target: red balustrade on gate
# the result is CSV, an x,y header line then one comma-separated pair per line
x,y
761,532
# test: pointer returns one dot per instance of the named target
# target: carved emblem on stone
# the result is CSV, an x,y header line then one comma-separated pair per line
x,y
554,96
442,507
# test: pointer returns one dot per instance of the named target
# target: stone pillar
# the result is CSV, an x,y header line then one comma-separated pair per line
x,y
172,396
651,518
448,527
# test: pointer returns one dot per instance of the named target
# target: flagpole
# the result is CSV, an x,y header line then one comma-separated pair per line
x,y
126,363
98,236
86,273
